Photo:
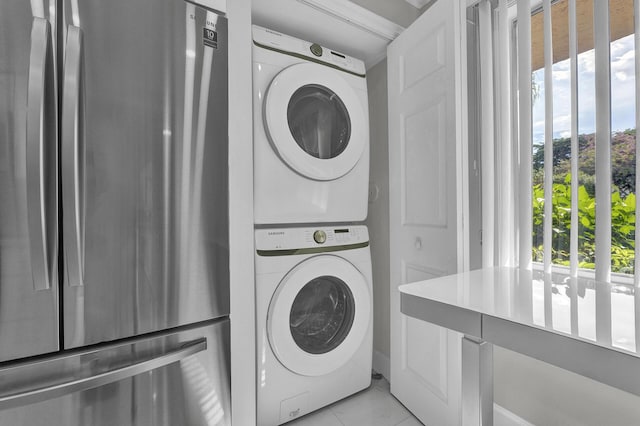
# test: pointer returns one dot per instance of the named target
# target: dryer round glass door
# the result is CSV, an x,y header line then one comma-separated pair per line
x,y
316,121
319,315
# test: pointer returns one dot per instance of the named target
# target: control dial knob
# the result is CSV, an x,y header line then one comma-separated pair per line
x,y
316,49
320,237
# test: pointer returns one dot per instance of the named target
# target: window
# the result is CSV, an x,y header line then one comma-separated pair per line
x,y
564,169
556,116
552,127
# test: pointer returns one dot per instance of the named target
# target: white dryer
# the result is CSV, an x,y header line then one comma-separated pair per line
x,y
311,132
314,318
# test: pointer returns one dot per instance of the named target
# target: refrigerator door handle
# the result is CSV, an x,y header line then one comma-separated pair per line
x,y
73,156
41,158
171,356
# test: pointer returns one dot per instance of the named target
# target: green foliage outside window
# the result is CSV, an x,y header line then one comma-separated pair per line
x,y
622,202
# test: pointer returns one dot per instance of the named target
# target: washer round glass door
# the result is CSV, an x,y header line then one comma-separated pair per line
x,y
319,315
315,121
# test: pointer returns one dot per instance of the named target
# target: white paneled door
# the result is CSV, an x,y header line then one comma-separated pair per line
x,y
426,164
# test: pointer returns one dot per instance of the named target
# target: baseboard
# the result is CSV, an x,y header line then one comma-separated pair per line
x,y
381,364
504,417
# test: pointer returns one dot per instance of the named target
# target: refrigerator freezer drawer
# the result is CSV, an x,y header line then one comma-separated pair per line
x,y
178,378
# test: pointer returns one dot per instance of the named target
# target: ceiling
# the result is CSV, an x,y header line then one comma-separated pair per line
x,y
330,23
418,3
621,24
402,12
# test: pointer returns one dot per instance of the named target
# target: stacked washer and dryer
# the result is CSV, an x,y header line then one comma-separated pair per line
x,y
313,264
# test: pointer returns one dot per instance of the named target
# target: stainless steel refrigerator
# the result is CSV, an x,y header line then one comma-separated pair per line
x,y
114,281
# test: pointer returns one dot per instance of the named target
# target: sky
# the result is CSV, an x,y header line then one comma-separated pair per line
x,y
622,93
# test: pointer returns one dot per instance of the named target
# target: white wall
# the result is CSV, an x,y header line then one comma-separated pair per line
x,y
243,409
378,218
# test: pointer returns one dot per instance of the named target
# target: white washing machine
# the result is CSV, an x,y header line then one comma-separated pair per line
x,y
314,318
311,132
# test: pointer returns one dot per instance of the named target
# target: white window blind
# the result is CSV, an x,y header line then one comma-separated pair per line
x,y
506,153
524,133
636,23
548,135
487,132
603,140
573,69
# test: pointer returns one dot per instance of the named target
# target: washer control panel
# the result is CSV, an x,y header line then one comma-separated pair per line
x,y
302,238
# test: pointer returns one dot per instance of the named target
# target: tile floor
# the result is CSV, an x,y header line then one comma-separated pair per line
x,y
374,406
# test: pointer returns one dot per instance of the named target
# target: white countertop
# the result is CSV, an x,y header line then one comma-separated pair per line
x,y
556,303
578,324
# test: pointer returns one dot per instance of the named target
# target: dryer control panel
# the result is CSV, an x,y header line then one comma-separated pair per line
x,y
303,238
290,45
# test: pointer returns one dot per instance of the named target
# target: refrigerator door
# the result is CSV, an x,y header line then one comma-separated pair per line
x,y
28,180
177,378
144,168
